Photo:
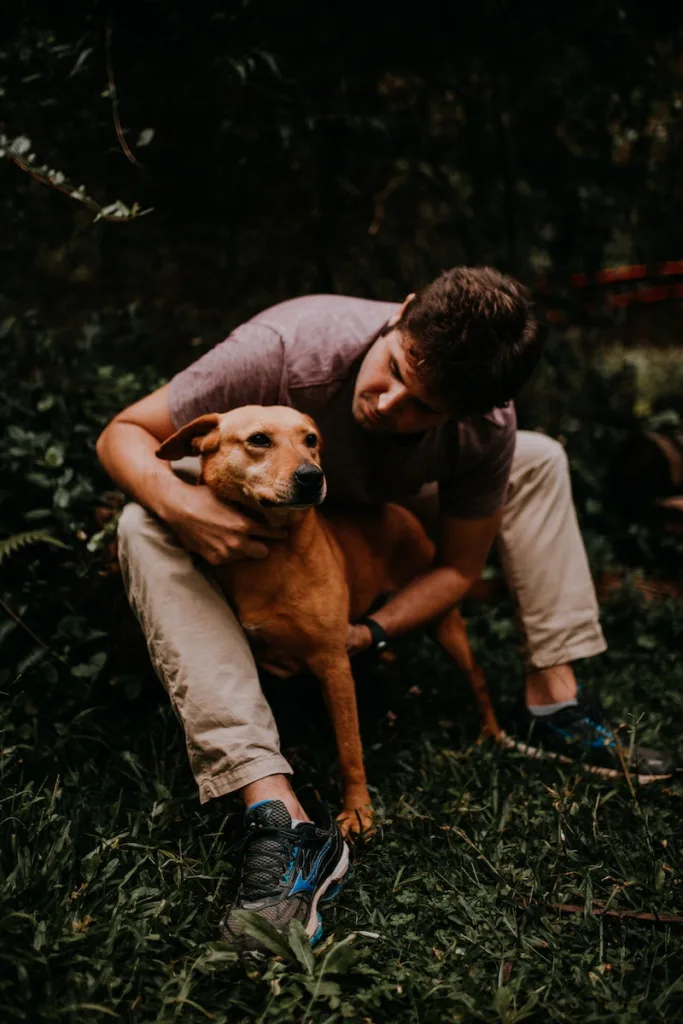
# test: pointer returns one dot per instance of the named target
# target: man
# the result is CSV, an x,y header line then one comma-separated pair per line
x,y
414,405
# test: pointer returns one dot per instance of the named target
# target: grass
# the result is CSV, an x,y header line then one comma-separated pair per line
x,y
112,877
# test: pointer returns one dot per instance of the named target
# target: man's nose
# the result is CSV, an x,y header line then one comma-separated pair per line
x,y
388,400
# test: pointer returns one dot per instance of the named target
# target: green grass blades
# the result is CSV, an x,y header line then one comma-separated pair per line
x,y
113,878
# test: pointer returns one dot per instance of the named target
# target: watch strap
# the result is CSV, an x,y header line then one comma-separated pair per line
x,y
380,640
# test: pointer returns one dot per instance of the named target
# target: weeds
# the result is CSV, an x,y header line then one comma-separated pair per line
x,y
112,877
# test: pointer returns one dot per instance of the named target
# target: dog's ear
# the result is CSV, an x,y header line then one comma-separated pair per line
x,y
200,436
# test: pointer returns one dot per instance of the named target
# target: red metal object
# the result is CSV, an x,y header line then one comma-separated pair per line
x,y
618,275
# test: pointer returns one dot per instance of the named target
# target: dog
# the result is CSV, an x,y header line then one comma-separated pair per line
x,y
295,606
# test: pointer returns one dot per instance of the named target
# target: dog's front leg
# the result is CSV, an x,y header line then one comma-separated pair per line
x,y
333,669
451,633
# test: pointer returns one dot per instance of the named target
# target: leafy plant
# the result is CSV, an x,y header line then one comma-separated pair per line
x,y
10,545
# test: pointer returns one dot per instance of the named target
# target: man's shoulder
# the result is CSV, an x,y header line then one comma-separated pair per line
x,y
311,312
482,436
323,334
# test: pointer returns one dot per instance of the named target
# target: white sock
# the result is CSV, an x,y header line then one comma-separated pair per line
x,y
299,821
544,710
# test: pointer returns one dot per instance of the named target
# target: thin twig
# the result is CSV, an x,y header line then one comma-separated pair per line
x,y
627,774
86,200
114,97
41,643
636,915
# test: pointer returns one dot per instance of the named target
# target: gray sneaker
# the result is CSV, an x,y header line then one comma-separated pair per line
x,y
286,872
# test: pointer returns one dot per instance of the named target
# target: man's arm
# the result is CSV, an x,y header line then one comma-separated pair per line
x,y
126,448
462,551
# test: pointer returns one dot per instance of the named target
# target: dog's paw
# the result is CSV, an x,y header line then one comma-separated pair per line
x,y
356,821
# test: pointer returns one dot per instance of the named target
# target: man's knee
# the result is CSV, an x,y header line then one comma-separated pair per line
x,y
545,453
554,455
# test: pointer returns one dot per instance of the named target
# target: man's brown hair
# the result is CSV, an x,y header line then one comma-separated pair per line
x,y
473,335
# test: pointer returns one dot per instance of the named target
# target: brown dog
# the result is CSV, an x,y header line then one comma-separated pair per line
x,y
295,605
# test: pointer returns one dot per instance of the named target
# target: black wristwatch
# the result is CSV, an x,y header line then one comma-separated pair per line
x,y
380,640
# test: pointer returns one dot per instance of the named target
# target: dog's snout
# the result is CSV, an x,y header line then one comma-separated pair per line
x,y
309,476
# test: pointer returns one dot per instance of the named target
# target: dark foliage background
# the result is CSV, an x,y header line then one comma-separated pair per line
x,y
286,149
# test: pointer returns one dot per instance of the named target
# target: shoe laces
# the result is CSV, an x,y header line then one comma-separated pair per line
x,y
268,854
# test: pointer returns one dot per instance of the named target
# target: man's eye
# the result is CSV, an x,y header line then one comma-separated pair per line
x,y
259,440
311,440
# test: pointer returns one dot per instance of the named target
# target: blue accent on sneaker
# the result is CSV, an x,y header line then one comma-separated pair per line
x,y
604,737
259,803
309,884
337,888
318,933
581,732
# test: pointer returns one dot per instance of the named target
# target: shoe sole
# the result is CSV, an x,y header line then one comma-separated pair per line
x,y
327,891
607,773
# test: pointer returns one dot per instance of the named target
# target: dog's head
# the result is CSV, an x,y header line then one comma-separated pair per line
x,y
265,457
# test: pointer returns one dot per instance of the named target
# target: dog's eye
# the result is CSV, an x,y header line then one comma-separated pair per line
x,y
311,440
259,440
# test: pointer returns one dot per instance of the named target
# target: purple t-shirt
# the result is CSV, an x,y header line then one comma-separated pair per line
x,y
306,353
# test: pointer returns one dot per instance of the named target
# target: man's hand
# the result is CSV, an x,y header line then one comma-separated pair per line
x,y
358,638
215,530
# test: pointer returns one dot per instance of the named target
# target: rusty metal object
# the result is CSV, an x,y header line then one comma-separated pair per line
x,y
609,584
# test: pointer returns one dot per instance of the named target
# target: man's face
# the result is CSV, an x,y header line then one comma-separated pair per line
x,y
388,396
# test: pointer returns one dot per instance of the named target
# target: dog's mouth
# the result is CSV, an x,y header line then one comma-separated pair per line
x,y
309,503
307,488
300,497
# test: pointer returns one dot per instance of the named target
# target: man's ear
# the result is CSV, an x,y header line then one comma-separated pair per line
x,y
199,436
397,316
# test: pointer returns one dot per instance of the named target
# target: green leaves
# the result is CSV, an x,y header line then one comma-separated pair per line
x,y
300,944
265,934
10,545
92,668
295,947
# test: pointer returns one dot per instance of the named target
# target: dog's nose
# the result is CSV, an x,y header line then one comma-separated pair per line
x,y
309,477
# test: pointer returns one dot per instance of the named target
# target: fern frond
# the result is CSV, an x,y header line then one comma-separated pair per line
x,y
10,545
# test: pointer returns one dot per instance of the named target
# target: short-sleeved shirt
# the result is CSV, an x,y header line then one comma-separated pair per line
x,y
306,353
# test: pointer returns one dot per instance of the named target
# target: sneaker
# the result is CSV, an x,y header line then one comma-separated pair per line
x,y
286,871
582,733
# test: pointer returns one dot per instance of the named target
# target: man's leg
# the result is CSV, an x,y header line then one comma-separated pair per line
x,y
547,570
202,657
